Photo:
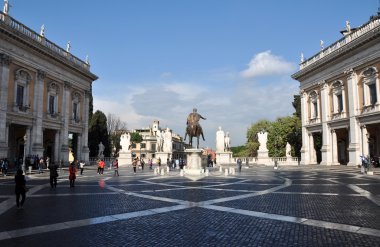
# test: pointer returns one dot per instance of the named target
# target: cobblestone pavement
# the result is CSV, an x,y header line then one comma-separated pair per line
x,y
291,206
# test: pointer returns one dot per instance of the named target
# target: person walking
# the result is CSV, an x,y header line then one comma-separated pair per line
x,y
134,165
101,166
81,166
116,167
72,173
20,189
5,167
239,164
159,162
53,175
142,162
150,163
40,165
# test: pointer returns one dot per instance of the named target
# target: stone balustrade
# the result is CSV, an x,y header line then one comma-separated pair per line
x,y
355,34
20,28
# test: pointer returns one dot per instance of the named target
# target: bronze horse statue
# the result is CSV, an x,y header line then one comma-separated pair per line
x,y
193,128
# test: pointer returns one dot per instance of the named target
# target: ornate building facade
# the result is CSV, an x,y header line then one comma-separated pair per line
x,y
340,98
44,95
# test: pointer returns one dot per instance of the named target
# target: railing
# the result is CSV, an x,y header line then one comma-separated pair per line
x,y
338,115
314,121
364,29
370,108
21,28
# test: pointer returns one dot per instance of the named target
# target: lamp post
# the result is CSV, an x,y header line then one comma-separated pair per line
x,y
24,157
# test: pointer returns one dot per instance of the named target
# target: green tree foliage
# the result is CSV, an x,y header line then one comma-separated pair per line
x,y
252,142
239,151
136,138
297,105
282,131
98,133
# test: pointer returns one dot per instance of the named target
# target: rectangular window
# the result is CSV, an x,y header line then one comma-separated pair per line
x,y
51,104
133,145
153,147
20,96
340,102
142,145
75,111
372,92
315,109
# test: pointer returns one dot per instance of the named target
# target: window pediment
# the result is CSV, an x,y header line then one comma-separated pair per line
x,y
22,75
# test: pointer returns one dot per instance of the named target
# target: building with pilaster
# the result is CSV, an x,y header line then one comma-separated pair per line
x,y
340,98
44,95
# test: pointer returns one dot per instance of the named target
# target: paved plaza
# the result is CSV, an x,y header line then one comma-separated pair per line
x,y
294,206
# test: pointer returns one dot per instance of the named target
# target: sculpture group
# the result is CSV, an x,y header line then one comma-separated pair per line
x,y
222,141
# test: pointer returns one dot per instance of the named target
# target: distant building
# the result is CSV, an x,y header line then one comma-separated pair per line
x,y
148,147
340,98
44,95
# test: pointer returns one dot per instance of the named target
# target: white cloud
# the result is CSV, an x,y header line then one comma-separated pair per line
x,y
166,74
267,64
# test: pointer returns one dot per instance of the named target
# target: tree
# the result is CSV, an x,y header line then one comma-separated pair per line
x,y
239,151
98,133
136,138
252,142
115,127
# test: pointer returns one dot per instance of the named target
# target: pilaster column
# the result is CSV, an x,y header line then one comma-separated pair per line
x,y
326,145
79,147
65,122
38,100
4,80
305,151
353,99
364,140
28,141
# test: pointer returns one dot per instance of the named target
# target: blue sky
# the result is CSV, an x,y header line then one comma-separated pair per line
x,y
158,59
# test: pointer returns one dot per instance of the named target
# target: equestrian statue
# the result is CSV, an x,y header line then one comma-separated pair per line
x,y
193,128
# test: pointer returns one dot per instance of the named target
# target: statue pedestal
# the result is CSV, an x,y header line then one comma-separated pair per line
x,y
125,158
195,162
263,157
163,156
223,158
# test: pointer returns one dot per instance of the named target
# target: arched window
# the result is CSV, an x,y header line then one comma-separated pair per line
x,y
21,91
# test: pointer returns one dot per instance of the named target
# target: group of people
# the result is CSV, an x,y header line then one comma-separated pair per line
x,y
4,166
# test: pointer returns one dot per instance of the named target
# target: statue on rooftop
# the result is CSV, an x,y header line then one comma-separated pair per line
x,y
68,46
42,32
348,26
6,7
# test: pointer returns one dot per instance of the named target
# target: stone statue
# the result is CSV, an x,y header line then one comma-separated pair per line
x,y
160,141
302,58
263,138
68,46
125,141
101,149
87,60
168,142
348,26
227,142
288,150
220,140
42,32
322,44
193,127
6,7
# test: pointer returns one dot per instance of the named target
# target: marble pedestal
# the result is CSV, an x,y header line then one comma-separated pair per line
x,y
194,162
263,157
223,158
125,158
164,157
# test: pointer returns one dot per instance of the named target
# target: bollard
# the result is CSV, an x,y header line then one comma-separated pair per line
x,y
232,171
155,171
206,173
167,169
226,172
162,171
181,173
30,169
220,169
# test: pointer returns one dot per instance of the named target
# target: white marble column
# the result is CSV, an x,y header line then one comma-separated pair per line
x,y
334,146
354,130
38,101
313,159
4,81
65,120
325,107
305,151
